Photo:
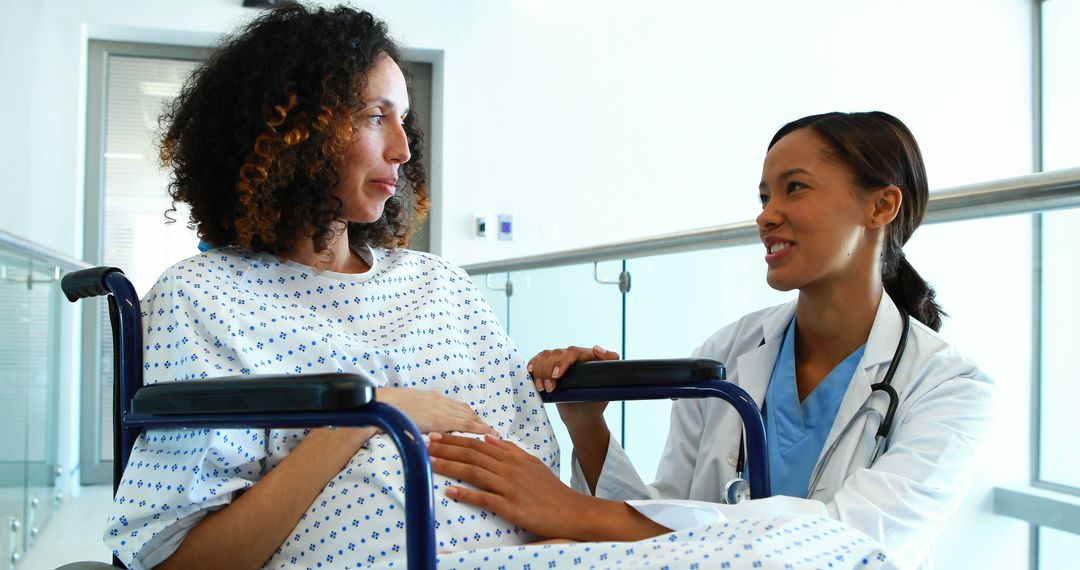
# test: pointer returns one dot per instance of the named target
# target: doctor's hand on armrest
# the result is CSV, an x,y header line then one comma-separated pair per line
x,y
433,412
549,366
522,489
584,420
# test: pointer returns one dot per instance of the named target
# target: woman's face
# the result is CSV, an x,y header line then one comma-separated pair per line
x,y
379,144
817,229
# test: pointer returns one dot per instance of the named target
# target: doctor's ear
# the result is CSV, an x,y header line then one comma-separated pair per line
x,y
885,205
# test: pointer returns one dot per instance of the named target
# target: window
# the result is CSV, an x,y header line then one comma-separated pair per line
x,y
126,204
1059,461
1058,465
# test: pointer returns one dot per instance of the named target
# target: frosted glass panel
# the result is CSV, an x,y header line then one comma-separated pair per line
x,y
14,412
1059,458
676,302
1058,550
554,308
41,391
29,311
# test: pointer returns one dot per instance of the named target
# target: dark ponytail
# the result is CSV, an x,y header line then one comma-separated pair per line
x,y
909,290
881,151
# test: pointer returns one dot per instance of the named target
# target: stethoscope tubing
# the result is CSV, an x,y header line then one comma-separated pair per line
x,y
884,427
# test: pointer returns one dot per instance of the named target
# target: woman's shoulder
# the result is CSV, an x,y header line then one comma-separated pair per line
x,y
746,332
207,269
403,260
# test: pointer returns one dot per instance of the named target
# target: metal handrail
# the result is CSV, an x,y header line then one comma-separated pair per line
x,y
34,250
1027,194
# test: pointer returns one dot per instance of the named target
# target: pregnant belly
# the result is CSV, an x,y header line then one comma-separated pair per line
x,y
359,518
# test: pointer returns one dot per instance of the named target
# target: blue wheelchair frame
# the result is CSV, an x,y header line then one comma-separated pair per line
x,y
670,379
248,408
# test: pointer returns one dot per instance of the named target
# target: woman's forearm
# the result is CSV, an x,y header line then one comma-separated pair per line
x,y
245,533
604,520
590,441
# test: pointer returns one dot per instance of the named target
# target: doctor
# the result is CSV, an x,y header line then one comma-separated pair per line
x,y
840,194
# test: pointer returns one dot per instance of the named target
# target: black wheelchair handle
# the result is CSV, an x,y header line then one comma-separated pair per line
x,y
86,283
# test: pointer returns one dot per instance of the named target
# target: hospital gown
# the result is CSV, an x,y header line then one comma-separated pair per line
x,y
412,321
781,542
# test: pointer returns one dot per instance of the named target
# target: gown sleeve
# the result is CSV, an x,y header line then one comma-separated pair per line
x,y
175,477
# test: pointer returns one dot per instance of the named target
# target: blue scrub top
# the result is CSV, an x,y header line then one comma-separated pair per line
x,y
796,431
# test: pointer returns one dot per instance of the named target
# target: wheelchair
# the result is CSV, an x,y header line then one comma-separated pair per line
x,y
349,400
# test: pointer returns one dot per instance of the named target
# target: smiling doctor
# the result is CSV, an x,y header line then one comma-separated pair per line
x,y
841,194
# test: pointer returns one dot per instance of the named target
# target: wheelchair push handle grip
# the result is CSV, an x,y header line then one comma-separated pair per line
x,y
86,283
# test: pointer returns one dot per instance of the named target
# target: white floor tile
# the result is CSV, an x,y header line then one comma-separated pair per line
x,y
74,532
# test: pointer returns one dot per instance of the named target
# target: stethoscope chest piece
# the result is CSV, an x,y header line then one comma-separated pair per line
x,y
736,491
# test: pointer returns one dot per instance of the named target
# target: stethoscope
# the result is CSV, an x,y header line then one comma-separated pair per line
x,y
738,489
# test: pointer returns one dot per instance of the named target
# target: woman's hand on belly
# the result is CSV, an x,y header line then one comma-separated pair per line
x,y
433,412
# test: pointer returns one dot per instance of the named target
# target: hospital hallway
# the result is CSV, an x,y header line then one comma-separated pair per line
x,y
74,533
528,186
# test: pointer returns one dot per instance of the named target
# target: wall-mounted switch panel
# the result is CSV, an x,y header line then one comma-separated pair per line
x,y
506,227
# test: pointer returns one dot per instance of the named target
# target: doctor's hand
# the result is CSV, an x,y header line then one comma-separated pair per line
x,y
522,489
549,366
509,481
433,412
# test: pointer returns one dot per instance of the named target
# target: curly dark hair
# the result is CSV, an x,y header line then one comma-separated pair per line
x,y
259,132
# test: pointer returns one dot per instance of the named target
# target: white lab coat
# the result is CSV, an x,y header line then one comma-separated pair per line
x,y
913,487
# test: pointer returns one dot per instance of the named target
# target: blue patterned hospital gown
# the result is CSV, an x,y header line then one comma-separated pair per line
x,y
412,321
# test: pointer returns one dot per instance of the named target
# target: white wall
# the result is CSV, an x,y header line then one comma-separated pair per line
x,y
590,121
639,118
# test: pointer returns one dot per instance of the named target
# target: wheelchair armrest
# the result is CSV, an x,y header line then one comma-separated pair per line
x,y
255,394
621,373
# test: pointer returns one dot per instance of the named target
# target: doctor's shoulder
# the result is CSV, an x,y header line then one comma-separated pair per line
x,y
932,364
739,337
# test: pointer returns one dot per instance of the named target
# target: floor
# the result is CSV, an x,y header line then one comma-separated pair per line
x,y
74,532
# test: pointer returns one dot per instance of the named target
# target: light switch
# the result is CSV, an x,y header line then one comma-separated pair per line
x,y
506,227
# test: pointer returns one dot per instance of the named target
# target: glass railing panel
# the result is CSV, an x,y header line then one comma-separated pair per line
x,y
557,307
983,273
675,303
14,369
41,380
1057,549
1059,458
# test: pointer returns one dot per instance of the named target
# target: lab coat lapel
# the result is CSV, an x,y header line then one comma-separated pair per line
x,y
756,365
880,346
